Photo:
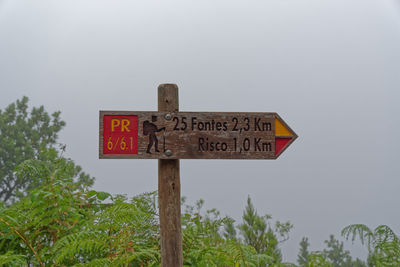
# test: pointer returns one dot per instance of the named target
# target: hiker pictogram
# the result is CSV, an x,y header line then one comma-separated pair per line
x,y
150,129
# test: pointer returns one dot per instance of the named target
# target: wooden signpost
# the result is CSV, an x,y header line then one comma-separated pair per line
x,y
193,135
170,135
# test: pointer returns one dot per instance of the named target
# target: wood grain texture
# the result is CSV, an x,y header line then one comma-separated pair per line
x,y
169,191
194,135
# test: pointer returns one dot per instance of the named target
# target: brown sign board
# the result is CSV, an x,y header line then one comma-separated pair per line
x,y
192,135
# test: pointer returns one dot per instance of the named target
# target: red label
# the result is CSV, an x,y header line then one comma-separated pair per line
x,y
120,134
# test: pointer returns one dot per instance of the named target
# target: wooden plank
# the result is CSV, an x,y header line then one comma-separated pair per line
x,y
193,135
169,190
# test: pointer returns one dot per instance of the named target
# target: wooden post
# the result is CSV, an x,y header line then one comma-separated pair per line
x,y
169,190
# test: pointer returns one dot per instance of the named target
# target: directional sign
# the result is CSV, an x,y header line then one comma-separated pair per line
x,y
193,135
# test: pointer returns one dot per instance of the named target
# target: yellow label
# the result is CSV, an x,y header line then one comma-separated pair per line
x,y
280,129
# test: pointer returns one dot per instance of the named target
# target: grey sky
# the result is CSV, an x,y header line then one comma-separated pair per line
x,y
330,68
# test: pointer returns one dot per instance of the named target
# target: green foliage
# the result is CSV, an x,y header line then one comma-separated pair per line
x,y
27,135
383,244
258,232
336,254
318,259
11,259
54,209
302,257
333,256
61,223
361,231
358,263
203,245
51,165
229,229
119,234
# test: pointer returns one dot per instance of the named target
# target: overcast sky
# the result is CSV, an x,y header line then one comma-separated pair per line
x,y
330,68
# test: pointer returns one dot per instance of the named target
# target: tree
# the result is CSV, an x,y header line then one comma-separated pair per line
x,y
382,243
48,158
335,252
318,259
339,257
27,135
302,257
358,263
229,229
258,232
204,245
